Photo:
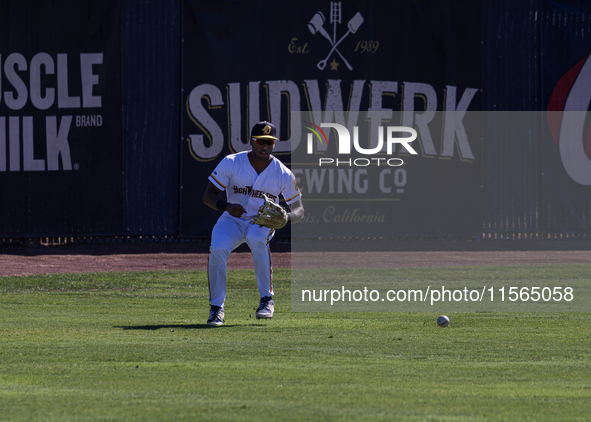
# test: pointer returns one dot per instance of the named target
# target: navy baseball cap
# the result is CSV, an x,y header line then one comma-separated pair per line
x,y
264,130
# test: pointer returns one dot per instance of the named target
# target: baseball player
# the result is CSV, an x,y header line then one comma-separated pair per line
x,y
252,180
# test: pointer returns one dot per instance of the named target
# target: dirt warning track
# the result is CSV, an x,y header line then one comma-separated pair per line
x,y
38,259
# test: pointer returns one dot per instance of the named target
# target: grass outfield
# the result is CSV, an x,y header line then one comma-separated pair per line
x,y
134,346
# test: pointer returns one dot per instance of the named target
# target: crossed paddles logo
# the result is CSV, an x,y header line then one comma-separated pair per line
x,y
316,25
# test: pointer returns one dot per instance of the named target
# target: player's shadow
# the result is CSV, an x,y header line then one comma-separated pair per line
x,y
169,326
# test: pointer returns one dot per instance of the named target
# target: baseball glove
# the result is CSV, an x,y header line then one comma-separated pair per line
x,y
270,215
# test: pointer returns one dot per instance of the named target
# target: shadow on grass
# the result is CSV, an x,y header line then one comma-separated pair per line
x,y
158,327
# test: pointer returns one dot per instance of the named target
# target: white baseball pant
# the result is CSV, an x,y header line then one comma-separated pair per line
x,y
229,233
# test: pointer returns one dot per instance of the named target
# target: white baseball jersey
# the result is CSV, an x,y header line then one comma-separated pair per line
x,y
244,186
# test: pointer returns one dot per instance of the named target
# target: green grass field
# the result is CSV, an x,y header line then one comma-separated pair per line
x,y
135,347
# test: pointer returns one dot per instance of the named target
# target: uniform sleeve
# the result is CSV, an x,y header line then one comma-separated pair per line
x,y
220,177
291,193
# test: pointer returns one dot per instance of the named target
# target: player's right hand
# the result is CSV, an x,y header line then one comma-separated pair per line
x,y
235,210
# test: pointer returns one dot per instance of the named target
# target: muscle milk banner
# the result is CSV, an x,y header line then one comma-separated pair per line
x,y
301,64
61,162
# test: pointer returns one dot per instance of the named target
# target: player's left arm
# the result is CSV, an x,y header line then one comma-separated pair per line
x,y
296,211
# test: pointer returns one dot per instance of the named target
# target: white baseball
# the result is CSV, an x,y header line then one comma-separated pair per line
x,y
443,321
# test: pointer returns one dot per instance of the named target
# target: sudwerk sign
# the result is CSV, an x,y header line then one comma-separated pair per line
x,y
338,63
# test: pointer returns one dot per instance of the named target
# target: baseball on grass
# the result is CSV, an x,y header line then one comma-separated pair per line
x,y
443,321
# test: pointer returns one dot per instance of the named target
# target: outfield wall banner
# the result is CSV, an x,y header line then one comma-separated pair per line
x,y
566,95
61,144
301,64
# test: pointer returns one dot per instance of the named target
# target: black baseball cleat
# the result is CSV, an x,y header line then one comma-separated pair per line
x,y
266,308
216,316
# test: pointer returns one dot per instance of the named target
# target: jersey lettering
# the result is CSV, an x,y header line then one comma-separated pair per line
x,y
249,191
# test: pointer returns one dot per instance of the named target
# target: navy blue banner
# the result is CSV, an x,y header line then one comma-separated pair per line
x,y
61,144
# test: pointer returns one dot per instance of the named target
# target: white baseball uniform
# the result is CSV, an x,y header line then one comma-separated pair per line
x,y
244,186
